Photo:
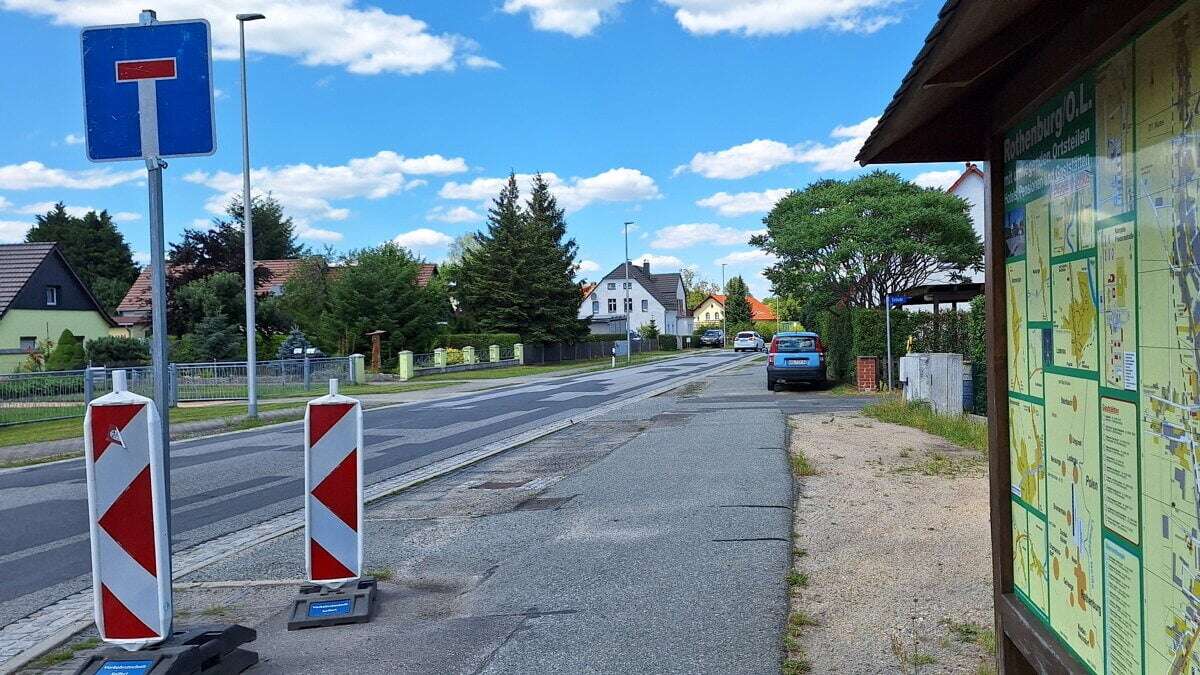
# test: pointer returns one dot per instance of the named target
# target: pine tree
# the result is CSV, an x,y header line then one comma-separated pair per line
x,y
552,289
737,308
520,278
491,288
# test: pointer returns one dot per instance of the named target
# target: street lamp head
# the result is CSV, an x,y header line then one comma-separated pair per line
x,y
250,17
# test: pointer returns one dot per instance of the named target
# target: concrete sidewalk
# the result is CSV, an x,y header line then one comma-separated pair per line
x,y
652,540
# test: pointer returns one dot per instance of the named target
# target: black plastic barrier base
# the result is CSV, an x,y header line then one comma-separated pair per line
x,y
318,606
207,650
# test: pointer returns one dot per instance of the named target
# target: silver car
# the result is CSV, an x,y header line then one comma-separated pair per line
x,y
748,341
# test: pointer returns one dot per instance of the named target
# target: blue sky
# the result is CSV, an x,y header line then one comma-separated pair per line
x,y
397,119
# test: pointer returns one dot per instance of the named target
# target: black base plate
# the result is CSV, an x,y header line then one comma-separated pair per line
x,y
205,650
318,606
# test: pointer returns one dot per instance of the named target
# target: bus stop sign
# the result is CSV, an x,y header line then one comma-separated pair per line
x,y
147,90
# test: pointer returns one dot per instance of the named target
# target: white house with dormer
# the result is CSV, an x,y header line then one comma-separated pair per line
x,y
660,297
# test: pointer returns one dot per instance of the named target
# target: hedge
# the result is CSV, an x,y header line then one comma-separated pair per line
x,y
849,334
480,341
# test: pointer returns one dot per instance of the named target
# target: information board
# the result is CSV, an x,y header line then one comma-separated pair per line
x,y
1101,198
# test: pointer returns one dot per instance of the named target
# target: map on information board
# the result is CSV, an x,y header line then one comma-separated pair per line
x,y
1102,294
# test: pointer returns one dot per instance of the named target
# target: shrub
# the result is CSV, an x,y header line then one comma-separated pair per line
x,y
480,341
68,354
667,343
117,352
454,356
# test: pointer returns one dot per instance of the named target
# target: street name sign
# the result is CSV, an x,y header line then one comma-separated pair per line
x,y
147,90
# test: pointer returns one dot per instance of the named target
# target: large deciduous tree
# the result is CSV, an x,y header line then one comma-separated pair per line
x,y
697,286
95,249
850,243
520,276
220,250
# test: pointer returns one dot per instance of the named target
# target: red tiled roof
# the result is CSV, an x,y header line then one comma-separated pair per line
x,y
588,288
759,311
427,272
137,299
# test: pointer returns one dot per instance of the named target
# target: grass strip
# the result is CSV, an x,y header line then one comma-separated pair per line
x,y
958,429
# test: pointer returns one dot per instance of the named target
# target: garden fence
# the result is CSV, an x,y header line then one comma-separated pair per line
x,y
35,397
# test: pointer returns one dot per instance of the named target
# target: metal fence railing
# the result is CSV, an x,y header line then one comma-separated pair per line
x,y
423,361
559,352
30,397
34,397
276,379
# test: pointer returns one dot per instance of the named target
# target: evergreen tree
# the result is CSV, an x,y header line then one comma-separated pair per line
x,y
550,285
377,290
737,308
490,288
94,248
68,354
520,277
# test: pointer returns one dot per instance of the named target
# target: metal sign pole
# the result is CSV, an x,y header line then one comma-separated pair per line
x,y
887,308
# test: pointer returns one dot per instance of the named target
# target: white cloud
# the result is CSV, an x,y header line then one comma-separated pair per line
x,y
750,257
362,39
694,234
41,208
937,179
317,234
589,266
742,203
573,17
422,238
307,191
141,257
32,175
762,155
5,204
126,217
477,62
659,263
775,17
13,231
759,285
73,139
614,185
740,161
457,214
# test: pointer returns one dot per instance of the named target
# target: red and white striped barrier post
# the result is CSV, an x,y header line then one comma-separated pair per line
x,y
127,506
333,489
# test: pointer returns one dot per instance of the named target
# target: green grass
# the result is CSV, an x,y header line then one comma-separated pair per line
x,y
958,429
57,430
801,466
381,573
941,465
584,366
63,654
796,578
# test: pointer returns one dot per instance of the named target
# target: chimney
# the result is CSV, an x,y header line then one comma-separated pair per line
x,y
646,266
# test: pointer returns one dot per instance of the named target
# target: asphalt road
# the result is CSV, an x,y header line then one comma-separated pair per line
x,y
224,484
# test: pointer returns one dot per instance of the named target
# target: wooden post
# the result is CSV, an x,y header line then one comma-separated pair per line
x,y
377,349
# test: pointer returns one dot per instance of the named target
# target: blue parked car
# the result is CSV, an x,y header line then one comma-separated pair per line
x,y
795,358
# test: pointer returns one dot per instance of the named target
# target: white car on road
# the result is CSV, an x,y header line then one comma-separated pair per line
x,y
748,341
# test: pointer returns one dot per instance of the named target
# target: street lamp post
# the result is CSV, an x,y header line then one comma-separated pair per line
x,y
628,307
248,231
724,307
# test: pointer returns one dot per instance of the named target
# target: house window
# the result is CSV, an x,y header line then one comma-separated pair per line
x,y
718,316
708,316
28,344
52,296
645,305
612,305
627,284
595,307
612,285
628,305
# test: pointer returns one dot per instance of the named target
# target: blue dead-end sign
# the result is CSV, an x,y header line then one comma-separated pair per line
x,y
147,90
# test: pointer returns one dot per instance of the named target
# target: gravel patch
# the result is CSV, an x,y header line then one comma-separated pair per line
x,y
892,533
